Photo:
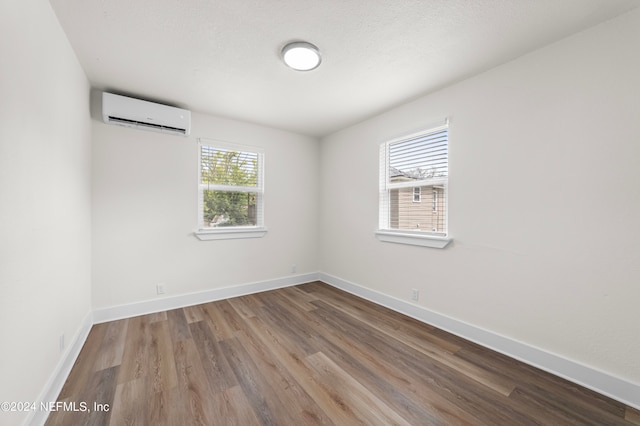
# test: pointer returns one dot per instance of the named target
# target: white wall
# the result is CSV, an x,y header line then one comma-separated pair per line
x,y
145,212
45,231
544,201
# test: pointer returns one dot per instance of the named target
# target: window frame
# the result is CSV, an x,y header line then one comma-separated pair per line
x,y
417,197
405,236
434,202
231,232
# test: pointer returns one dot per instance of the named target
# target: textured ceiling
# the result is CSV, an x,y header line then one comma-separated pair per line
x,y
222,57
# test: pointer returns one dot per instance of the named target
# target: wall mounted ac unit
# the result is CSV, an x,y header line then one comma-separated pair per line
x,y
130,112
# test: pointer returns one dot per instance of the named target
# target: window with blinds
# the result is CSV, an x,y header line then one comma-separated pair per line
x,y
230,186
410,168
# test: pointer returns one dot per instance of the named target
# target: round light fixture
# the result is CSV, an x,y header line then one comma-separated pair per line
x,y
301,56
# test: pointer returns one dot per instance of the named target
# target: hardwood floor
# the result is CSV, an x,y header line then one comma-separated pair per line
x,y
310,354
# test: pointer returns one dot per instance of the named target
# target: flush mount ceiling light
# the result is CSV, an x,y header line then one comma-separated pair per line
x,y
301,56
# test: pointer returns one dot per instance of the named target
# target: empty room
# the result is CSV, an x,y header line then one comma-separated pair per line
x,y
292,212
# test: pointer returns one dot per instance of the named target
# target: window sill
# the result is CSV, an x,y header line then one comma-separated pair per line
x,y
229,234
412,239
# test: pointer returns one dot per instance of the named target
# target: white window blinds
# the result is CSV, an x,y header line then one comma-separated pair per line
x,y
226,167
423,157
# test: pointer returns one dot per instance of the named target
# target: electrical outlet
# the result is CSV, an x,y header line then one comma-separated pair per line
x,y
415,294
160,288
61,342
294,269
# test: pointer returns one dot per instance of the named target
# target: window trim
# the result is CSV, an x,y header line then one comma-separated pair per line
x,y
232,232
413,238
402,236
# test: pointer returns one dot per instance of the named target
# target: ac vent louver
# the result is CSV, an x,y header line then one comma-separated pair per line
x,y
151,126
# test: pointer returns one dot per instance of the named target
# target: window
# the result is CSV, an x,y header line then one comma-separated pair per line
x,y
409,167
230,191
434,207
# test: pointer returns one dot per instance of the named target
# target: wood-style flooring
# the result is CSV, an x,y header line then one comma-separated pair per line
x,y
305,355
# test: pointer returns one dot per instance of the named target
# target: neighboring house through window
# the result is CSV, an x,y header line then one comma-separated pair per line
x,y
411,166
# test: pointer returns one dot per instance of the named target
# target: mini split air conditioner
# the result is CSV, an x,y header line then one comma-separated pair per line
x,y
130,112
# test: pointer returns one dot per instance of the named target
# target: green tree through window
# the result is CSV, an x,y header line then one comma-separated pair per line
x,y
230,181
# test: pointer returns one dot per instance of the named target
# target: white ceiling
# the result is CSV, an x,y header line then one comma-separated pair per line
x,y
222,56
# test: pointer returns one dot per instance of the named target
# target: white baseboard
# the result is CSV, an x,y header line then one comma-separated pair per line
x,y
129,310
589,377
59,376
